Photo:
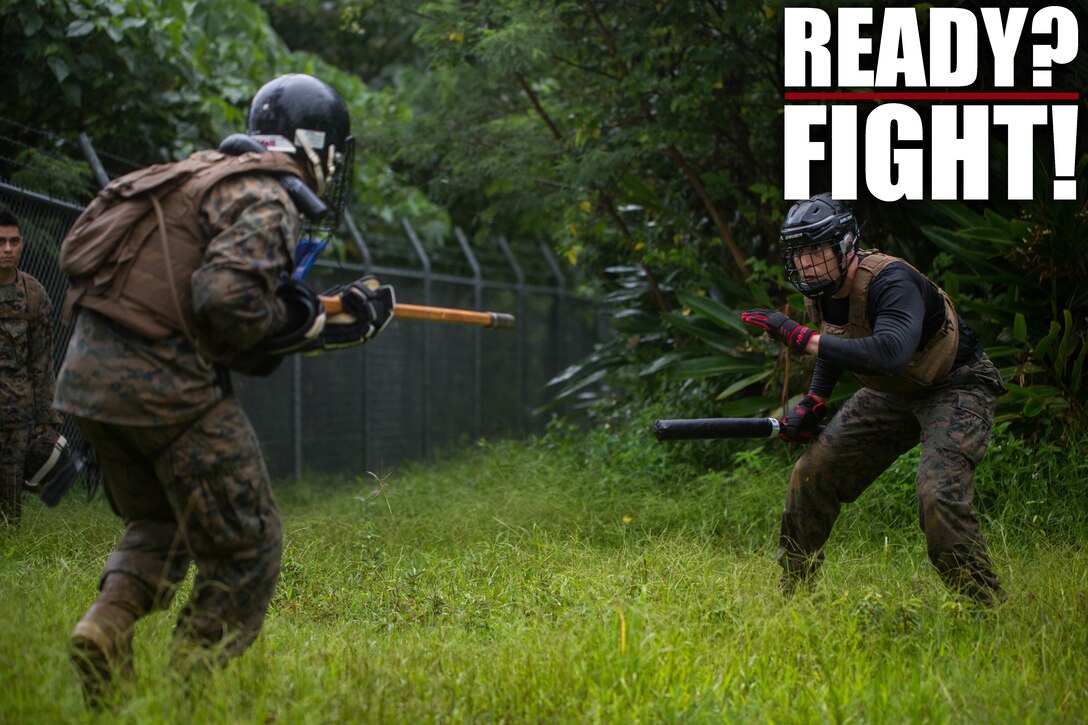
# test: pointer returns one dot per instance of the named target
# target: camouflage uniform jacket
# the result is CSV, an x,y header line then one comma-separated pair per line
x,y
26,356
114,375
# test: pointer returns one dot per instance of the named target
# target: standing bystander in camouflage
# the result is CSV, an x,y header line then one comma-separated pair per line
x,y
26,365
925,378
180,273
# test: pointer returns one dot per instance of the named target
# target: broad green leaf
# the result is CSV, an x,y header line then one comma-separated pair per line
x,y
32,21
714,311
72,92
1065,347
705,331
989,235
1034,406
1000,352
1020,328
705,367
1044,345
661,363
1078,367
742,384
959,213
594,362
581,383
751,407
79,28
59,67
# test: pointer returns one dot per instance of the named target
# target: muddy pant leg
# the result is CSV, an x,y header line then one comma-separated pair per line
x,y
144,567
13,444
230,524
861,441
151,551
956,423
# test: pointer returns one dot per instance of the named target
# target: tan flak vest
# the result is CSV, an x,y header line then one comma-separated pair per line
x,y
929,365
131,253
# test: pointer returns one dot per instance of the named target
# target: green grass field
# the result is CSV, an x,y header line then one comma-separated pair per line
x,y
586,581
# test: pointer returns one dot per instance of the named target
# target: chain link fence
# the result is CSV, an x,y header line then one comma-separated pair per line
x,y
419,390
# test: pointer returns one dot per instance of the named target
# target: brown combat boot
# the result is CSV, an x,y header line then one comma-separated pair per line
x,y
101,643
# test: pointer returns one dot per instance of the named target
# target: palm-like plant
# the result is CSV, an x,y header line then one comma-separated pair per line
x,y
1025,277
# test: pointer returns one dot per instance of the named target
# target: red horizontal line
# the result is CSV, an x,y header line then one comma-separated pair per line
x,y
930,96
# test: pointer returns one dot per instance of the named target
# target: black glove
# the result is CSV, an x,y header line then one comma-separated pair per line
x,y
792,334
51,467
367,308
304,323
799,425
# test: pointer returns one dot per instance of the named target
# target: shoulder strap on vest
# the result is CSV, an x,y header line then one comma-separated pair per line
x,y
33,294
33,290
871,263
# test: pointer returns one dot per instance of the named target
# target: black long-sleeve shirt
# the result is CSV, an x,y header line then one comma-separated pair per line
x,y
904,311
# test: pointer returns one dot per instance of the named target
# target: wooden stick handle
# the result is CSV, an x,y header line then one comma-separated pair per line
x,y
495,320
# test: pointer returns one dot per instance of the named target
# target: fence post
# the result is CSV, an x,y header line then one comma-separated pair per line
x,y
357,237
425,336
296,411
477,342
557,314
519,329
93,161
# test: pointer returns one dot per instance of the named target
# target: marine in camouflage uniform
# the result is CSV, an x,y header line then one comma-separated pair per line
x,y
180,461
26,366
925,379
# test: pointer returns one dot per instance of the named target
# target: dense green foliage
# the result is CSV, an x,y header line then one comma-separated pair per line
x,y
153,81
594,578
147,80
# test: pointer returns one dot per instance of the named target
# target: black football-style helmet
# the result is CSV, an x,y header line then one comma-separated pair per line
x,y
810,225
301,115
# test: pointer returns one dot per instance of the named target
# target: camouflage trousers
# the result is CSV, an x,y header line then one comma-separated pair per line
x,y
952,422
198,492
13,445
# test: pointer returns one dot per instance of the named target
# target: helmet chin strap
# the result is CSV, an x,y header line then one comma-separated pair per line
x,y
315,162
332,161
844,269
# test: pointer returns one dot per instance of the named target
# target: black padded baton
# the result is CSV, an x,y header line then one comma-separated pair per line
x,y
687,429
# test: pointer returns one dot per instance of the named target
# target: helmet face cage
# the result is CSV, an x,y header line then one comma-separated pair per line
x,y
819,242
303,116
336,194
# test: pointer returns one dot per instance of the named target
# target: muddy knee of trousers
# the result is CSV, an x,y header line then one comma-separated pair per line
x,y
125,590
152,592
150,553
815,467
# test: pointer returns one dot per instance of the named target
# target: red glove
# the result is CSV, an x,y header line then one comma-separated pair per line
x,y
792,334
799,425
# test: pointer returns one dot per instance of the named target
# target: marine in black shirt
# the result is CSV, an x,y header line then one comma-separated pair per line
x,y
925,379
